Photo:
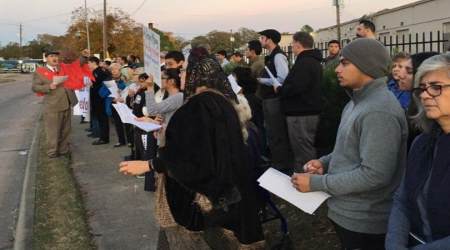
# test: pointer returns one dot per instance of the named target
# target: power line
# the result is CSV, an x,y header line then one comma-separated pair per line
x,y
56,15
138,8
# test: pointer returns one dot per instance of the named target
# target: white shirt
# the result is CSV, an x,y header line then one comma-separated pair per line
x,y
52,69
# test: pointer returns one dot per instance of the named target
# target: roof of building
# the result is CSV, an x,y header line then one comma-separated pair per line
x,y
379,13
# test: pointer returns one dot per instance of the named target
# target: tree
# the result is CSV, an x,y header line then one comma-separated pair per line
x,y
220,40
306,28
244,35
199,40
10,51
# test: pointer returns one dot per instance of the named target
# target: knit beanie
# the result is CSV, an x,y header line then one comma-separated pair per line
x,y
368,55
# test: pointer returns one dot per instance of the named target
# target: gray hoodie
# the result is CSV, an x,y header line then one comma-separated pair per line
x,y
367,163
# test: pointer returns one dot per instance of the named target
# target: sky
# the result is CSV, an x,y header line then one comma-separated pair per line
x,y
186,18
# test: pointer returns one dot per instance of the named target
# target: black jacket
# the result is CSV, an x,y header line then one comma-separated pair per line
x,y
214,164
97,102
301,94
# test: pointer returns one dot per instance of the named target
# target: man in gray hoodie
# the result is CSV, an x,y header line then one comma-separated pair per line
x,y
366,165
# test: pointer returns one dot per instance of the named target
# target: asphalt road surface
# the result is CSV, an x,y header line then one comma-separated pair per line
x,y
19,111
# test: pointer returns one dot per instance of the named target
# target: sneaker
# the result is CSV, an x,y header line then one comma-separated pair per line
x,y
142,176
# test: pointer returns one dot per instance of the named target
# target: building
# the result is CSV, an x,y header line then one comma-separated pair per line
x,y
419,26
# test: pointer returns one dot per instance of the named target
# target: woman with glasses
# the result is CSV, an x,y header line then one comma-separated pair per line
x,y
420,217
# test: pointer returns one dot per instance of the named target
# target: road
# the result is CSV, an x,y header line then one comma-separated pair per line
x,y
19,110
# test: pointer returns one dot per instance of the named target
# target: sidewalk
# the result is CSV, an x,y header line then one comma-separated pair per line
x,y
120,211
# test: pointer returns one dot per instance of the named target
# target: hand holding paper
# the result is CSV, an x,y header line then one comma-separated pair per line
x,y
234,85
112,86
280,184
273,79
59,79
127,117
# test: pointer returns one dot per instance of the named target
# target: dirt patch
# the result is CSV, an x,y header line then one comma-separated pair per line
x,y
312,232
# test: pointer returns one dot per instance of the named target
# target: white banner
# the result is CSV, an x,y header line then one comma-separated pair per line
x,y
83,106
152,62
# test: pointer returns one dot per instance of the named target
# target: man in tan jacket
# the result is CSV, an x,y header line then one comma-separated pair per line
x,y
58,102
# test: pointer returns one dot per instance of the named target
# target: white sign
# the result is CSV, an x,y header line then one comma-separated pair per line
x,y
83,106
152,62
280,185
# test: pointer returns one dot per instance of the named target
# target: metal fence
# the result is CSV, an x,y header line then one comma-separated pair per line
x,y
410,43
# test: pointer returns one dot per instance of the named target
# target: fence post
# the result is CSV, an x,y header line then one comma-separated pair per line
x,y
423,42
431,40
439,41
409,43
403,43
417,42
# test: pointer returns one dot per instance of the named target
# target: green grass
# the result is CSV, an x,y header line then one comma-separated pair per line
x,y
60,219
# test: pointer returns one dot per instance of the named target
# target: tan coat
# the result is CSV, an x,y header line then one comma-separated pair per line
x,y
55,100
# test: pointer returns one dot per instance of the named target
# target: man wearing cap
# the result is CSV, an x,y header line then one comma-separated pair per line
x,y
366,165
275,123
58,102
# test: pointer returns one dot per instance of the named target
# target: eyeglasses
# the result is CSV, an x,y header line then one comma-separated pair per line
x,y
433,90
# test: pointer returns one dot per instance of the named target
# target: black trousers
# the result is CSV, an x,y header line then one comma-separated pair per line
x,y
359,241
120,128
144,151
103,124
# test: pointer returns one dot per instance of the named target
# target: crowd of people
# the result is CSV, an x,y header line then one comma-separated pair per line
x,y
370,130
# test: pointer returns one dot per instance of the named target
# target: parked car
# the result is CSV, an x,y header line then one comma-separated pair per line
x,y
10,66
30,65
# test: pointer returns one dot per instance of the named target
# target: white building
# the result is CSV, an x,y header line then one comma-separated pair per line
x,y
406,25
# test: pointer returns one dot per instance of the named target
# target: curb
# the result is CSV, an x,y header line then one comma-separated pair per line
x,y
23,238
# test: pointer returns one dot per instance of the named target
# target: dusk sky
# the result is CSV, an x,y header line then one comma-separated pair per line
x,y
186,18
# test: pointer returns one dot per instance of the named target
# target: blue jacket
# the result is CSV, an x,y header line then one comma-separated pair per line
x,y
104,93
404,97
428,159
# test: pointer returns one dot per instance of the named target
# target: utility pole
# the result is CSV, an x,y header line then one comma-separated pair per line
x,y
338,19
87,26
105,45
20,40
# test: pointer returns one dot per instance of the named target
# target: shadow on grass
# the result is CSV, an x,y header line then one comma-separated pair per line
x,y
60,220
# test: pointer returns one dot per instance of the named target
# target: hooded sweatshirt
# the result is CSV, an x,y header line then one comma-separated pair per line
x,y
300,93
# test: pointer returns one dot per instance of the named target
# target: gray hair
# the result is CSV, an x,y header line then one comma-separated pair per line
x,y
434,63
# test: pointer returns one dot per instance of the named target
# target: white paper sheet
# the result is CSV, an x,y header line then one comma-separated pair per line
x,y
280,184
272,77
112,86
59,79
126,115
234,85
125,91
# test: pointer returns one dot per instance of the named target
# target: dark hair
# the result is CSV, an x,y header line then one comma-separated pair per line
x,y
304,38
174,74
222,52
132,59
237,53
244,78
368,24
401,56
335,42
143,76
417,59
177,56
94,59
255,45
124,58
107,63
